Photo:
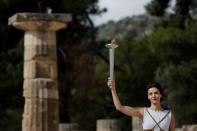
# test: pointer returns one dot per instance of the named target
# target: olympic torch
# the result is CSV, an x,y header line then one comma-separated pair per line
x,y
111,47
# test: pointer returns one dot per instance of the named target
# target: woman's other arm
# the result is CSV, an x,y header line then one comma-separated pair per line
x,y
130,111
172,123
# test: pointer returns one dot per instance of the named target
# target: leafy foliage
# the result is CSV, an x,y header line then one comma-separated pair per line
x,y
180,86
157,7
11,79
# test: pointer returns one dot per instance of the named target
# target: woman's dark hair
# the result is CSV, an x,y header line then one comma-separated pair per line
x,y
156,85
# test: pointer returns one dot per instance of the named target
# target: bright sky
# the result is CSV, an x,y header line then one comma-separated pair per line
x,y
118,9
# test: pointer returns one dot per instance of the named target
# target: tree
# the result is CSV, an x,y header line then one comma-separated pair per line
x,y
182,11
11,79
157,7
180,86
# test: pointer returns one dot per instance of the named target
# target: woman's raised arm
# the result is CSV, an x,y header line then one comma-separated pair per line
x,y
130,111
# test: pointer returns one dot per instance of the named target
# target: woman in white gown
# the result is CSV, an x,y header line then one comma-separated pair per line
x,y
154,118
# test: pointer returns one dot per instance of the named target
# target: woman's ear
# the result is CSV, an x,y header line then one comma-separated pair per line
x,y
161,96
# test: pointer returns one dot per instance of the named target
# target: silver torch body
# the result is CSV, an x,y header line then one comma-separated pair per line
x,y
111,47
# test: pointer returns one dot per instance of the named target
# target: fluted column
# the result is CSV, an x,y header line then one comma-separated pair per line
x,y
41,112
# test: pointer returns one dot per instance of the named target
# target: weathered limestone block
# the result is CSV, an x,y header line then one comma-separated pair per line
x,y
178,129
136,124
108,125
68,126
40,45
39,21
40,115
189,128
40,69
40,88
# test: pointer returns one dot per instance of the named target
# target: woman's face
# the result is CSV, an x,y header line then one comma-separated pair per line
x,y
154,95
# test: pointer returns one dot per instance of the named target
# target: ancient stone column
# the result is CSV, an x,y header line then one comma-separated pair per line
x,y
108,125
41,112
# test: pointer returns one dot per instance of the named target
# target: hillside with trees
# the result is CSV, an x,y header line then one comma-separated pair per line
x,y
135,26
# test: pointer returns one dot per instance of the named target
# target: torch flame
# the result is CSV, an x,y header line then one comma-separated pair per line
x,y
112,41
